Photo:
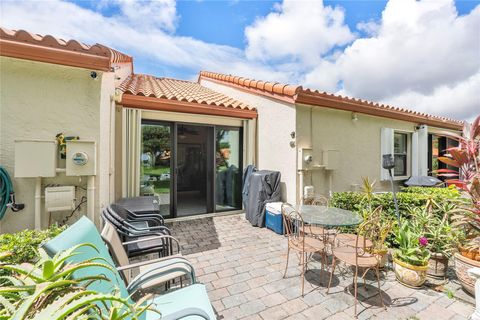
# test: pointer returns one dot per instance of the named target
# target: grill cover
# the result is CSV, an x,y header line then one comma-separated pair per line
x,y
264,188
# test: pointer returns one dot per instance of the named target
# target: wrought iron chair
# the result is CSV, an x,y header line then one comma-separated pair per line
x,y
300,240
360,254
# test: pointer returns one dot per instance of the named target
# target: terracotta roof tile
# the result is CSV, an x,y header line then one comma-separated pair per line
x,y
178,90
21,37
297,94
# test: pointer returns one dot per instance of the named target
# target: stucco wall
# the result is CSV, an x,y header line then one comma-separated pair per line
x,y
358,143
39,100
276,121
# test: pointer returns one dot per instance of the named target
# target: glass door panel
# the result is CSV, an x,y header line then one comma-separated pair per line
x,y
156,164
228,169
192,156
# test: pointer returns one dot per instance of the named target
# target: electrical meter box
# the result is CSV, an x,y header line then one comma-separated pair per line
x,y
331,159
305,159
59,198
35,158
81,158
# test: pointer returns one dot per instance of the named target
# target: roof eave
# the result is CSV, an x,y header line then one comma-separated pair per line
x,y
260,92
160,104
22,50
315,100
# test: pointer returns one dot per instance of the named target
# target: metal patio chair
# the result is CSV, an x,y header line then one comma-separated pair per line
x,y
161,246
161,270
359,255
190,302
300,240
151,219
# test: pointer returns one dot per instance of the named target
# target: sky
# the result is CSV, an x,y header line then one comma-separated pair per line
x,y
421,55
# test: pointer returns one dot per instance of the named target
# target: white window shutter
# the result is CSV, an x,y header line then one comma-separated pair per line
x,y
423,150
386,137
415,155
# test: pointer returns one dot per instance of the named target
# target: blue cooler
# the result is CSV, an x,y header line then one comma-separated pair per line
x,y
273,217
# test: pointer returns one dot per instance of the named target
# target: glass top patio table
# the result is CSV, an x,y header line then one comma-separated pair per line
x,y
328,216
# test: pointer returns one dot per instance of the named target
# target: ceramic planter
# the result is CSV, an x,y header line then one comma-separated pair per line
x,y
462,264
437,266
409,275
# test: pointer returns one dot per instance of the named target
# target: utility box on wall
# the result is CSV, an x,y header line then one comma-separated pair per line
x,y
81,158
305,159
331,159
35,158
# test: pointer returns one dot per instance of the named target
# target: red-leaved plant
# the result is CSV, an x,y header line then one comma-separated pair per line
x,y
465,157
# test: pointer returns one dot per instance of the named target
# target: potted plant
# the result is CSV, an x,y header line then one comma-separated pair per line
x,y
410,259
466,158
433,222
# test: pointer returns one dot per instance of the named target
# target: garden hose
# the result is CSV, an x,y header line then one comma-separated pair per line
x,y
7,195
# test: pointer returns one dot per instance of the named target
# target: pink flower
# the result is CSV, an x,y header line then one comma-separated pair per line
x,y
423,241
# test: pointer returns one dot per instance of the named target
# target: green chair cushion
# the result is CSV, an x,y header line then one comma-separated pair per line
x,y
84,231
193,296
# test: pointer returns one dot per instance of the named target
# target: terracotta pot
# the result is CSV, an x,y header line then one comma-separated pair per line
x,y
437,265
410,275
462,264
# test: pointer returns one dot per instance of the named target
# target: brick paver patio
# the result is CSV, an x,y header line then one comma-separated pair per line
x,y
242,267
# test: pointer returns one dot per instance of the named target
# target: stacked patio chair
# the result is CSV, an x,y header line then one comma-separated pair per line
x,y
300,240
189,302
162,270
360,255
129,231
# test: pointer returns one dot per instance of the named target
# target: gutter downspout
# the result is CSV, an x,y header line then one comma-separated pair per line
x,y
38,203
91,198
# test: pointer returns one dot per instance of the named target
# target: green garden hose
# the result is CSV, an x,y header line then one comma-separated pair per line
x,y
7,196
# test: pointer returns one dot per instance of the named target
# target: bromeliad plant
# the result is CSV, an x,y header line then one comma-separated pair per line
x,y
412,247
48,290
466,157
432,221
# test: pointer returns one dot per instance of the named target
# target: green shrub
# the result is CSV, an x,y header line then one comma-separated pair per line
x,y
23,245
411,197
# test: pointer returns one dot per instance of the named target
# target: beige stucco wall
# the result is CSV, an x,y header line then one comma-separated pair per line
x,y
276,121
358,143
39,100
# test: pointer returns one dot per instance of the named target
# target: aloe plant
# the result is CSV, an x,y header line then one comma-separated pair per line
x,y
48,290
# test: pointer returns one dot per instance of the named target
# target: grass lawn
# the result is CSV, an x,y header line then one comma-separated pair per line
x,y
159,186
156,171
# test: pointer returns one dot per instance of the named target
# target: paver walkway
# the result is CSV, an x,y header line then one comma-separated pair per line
x,y
242,267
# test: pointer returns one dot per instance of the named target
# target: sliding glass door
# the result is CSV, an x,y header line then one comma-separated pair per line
x,y
157,164
228,169
193,169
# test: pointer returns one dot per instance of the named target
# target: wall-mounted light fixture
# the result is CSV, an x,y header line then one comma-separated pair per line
x,y
354,117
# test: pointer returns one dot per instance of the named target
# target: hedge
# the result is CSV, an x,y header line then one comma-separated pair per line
x,y
407,198
24,244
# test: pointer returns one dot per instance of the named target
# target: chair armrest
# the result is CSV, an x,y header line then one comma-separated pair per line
x,y
175,267
153,238
156,228
147,215
147,262
187,312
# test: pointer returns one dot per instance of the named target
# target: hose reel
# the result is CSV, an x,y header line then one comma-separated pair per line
x,y
7,195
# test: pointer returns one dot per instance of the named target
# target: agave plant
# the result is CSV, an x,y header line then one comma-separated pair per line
x,y
466,157
48,290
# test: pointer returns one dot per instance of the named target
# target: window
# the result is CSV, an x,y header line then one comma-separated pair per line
x,y
400,153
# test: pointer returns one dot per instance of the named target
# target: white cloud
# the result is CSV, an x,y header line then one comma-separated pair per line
x,y
121,31
420,55
146,14
298,30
